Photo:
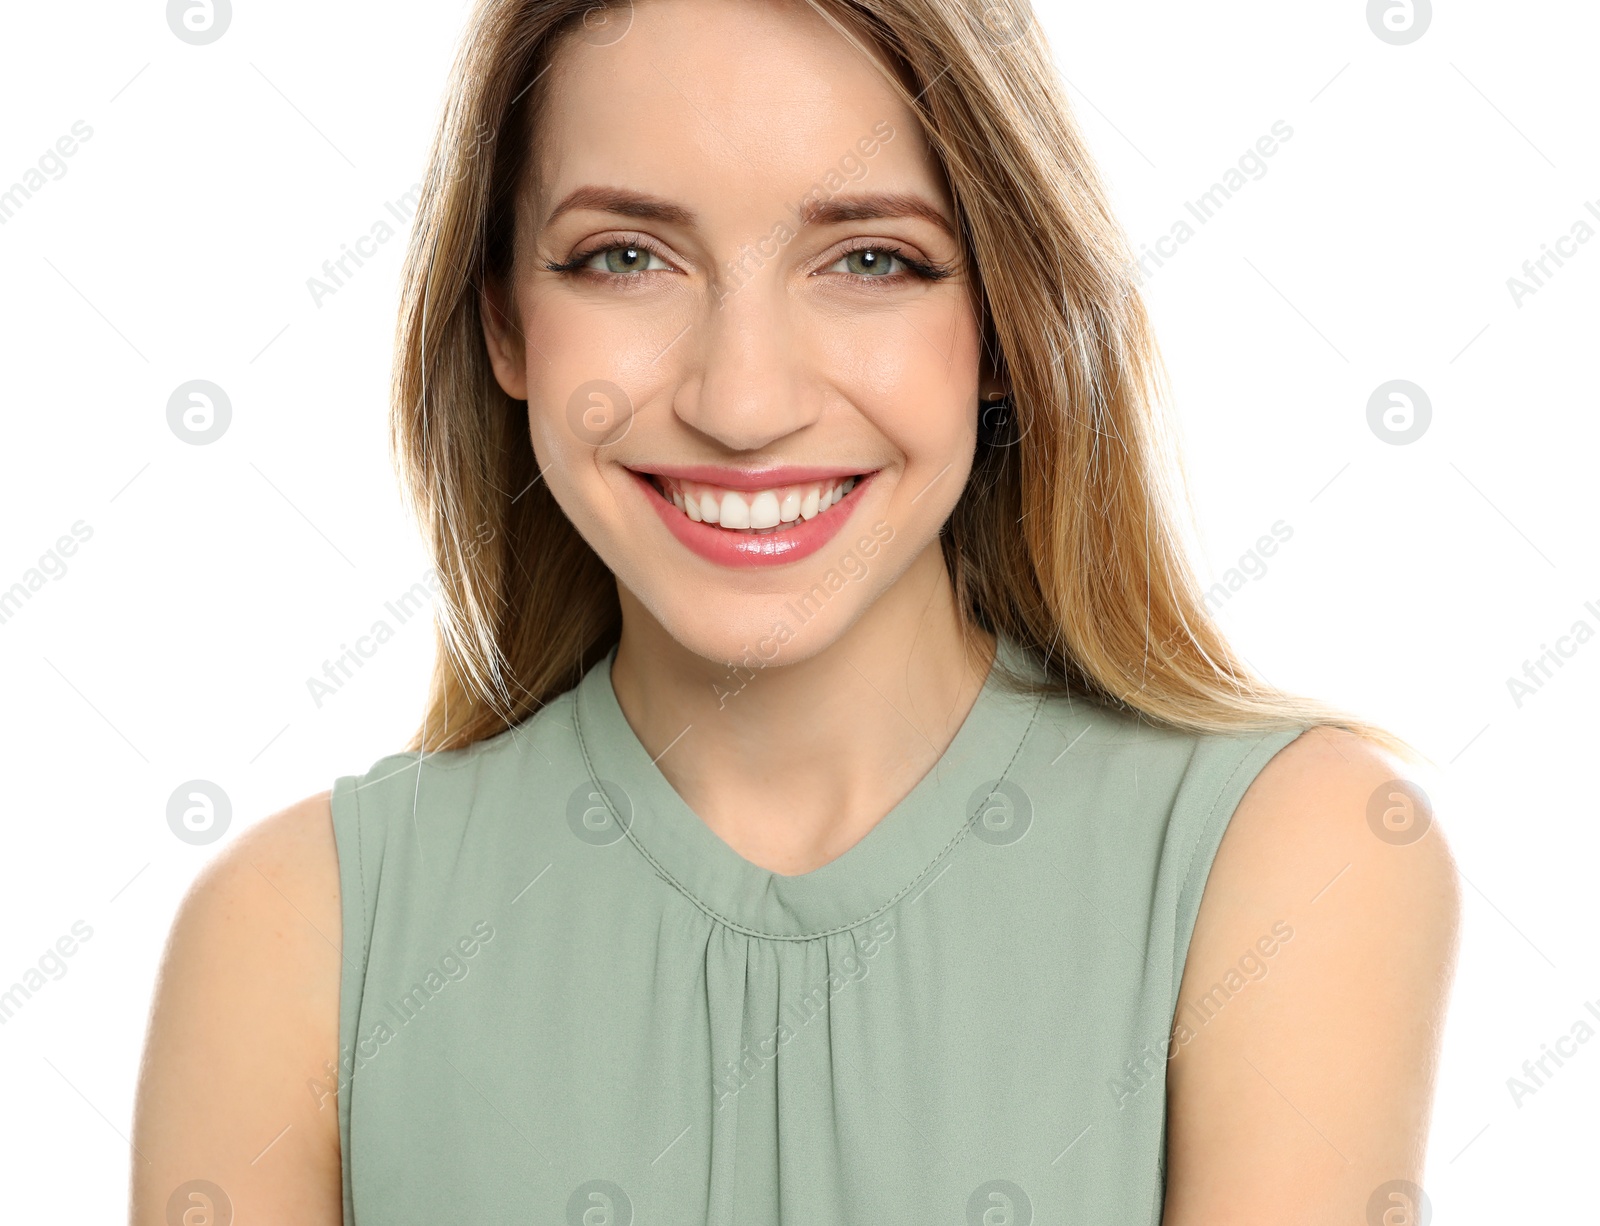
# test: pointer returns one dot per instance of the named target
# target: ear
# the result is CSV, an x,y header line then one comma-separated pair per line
x,y
502,337
991,384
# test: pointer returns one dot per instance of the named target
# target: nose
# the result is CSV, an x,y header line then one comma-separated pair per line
x,y
749,377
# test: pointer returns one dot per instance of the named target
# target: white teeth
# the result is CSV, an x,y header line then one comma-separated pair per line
x,y
734,512
764,510
756,511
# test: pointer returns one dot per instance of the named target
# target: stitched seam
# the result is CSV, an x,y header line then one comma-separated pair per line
x,y
346,1107
452,759
361,874
1194,854
1158,1196
577,724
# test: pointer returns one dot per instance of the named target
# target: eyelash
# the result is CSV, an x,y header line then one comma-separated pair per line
x,y
921,270
577,262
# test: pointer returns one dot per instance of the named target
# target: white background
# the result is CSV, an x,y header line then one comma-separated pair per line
x,y
218,578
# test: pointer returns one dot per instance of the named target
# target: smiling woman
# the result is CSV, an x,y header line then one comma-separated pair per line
x,y
779,410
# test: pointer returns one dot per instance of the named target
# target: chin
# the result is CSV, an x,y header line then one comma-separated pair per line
x,y
751,631
780,608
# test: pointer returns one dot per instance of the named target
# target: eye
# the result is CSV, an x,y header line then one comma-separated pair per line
x,y
624,259
613,261
885,263
869,262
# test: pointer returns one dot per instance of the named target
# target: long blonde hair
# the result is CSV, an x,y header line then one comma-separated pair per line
x,y
1067,537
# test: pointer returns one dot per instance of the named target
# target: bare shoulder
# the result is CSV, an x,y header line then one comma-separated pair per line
x,y
1313,997
1331,799
295,844
243,1030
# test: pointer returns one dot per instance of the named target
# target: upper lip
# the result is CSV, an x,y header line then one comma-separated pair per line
x,y
750,478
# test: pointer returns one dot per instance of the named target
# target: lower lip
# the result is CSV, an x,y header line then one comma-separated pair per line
x,y
735,549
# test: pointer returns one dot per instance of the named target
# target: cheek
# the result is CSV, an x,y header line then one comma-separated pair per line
x,y
913,372
592,366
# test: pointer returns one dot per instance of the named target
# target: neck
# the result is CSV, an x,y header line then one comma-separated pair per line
x,y
793,761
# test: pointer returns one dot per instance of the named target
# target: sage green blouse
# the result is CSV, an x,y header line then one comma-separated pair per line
x,y
565,1000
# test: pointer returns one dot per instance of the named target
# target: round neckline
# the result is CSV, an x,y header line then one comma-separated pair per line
x,y
853,887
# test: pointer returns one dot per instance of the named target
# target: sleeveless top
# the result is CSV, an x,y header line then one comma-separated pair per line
x,y
566,1000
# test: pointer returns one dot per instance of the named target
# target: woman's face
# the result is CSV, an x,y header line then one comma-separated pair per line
x,y
737,288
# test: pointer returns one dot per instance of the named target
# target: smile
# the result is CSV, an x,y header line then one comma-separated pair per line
x,y
743,528
768,510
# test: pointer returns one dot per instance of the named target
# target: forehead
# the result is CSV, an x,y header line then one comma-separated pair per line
x,y
730,103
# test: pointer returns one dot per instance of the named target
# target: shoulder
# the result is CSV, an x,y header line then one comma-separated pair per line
x,y
244,1015
1336,837
268,899
293,846
522,751
1335,818
286,862
545,734
407,801
1312,998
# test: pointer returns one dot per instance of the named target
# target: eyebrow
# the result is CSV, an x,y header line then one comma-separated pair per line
x,y
873,205
828,211
622,201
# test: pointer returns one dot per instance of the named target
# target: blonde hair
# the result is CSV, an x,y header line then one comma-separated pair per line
x,y
1067,538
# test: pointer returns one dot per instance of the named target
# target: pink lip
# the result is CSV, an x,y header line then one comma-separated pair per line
x,y
744,550
750,478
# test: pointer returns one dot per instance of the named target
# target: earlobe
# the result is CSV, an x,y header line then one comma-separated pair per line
x,y
992,384
503,340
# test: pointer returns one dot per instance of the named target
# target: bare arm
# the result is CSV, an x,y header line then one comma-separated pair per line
x,y
1303,1079
243,1025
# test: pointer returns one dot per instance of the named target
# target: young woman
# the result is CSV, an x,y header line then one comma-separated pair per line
x,y
834,803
